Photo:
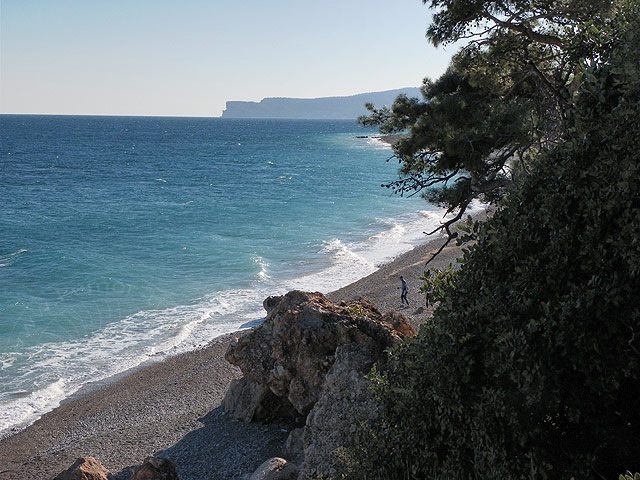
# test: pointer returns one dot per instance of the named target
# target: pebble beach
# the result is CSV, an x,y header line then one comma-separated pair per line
x,y
172,408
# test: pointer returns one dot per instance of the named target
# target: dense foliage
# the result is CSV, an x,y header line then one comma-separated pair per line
x,y
507,96
530,366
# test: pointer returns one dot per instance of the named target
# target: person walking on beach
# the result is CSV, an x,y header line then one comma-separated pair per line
x,y
405,290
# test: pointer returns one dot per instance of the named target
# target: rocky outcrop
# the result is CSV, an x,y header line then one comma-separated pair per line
x,y
332,426
155,468
309,358
292,351
275,469
85,468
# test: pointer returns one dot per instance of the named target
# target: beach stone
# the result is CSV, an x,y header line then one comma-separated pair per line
x,y
85,468
294,348
333,424
155,468
275,469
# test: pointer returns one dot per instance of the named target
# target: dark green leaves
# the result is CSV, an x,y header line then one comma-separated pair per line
x,y
530,366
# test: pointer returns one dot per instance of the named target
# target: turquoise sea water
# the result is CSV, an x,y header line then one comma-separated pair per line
x,y
123,239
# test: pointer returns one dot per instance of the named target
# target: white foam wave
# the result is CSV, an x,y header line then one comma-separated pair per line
x,y
62,368
352,261
262,274
378,143
34,404
5,260
346,266
6,360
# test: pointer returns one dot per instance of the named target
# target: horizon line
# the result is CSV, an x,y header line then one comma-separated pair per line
x,y
166,116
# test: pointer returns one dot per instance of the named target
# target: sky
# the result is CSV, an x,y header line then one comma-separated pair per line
x,y
188,57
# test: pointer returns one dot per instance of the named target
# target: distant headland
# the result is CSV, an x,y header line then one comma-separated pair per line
x,y
326,108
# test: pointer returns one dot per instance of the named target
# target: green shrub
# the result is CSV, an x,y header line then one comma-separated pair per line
x,y
530,367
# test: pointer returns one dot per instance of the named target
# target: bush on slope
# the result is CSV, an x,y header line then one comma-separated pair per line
x,y
530,367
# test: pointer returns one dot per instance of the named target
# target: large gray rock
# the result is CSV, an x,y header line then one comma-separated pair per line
x,y
292,351
345,405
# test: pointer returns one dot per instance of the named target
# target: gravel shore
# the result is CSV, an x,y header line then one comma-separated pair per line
x,y
172,408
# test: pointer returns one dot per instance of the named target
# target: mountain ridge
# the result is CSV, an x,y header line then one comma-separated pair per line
x,y
323,108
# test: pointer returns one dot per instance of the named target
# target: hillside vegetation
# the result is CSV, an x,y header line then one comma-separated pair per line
x,y
530,366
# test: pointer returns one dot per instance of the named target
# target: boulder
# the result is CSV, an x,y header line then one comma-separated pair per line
x,y
85,468
346,404
275,469
155,468
292,351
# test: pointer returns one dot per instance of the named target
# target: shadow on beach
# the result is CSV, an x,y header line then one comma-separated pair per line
x,y
223,448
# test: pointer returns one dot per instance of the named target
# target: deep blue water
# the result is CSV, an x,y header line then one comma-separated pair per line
x,y
128,238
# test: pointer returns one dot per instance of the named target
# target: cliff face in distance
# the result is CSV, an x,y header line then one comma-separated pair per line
x,y
327,108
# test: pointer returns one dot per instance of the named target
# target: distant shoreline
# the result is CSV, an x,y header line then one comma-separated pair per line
x,y
326,108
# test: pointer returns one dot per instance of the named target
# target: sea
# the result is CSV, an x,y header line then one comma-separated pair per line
x,y
127,239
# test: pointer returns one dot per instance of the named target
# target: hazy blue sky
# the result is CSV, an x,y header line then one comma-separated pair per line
x,y
187,57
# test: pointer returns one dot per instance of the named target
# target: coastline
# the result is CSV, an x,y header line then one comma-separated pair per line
x,y
82,367
160,261
172,408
